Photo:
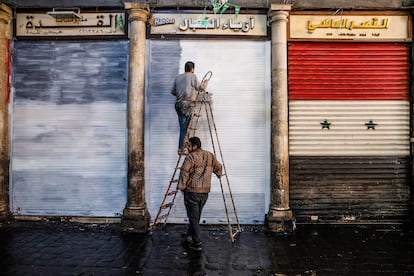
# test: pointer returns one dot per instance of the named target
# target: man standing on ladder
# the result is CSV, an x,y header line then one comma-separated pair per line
x,y
195,182
185,88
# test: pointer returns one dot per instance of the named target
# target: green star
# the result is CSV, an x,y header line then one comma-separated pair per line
x,y
325,124
371,125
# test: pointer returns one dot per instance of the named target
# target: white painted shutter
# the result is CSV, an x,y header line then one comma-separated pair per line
x,y
69,136
240,88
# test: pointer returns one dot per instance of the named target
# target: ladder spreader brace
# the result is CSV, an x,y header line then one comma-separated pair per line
x,y
203,104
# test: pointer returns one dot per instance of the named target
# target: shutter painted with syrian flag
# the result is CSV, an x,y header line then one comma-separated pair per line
x,y
69,133
349,125
240,89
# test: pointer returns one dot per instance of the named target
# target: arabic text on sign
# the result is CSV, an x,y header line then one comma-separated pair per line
x,y
374,23
189,24
88,24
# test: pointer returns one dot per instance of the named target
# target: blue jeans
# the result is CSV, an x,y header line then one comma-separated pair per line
x,y
194,203
184,113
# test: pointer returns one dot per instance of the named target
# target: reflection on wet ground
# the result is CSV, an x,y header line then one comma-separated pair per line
x,y
58,248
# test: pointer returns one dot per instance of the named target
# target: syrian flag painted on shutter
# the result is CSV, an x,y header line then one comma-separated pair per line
x,y
348,99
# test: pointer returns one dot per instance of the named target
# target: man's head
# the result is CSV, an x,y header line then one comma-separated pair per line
x,y
189,67
194,143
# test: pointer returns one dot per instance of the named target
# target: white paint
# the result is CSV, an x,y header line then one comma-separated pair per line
x,y
240,88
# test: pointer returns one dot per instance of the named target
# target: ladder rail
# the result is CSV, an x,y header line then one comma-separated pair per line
x,y
194,121
197,116
192,127
211,121
227,211
224,166
157,218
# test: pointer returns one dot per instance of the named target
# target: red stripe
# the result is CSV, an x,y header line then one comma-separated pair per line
x,y
348,71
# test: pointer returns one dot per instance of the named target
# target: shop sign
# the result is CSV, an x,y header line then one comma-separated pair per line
x,y
209,24
349,27
82,24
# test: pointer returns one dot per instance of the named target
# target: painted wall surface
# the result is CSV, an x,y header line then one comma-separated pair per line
x,y
349,132
240,88
68,148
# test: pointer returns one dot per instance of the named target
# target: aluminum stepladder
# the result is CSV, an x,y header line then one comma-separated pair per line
x,y
203,106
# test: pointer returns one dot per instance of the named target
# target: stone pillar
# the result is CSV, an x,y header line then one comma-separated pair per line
x,y
412,136
135,215
280,218
5,18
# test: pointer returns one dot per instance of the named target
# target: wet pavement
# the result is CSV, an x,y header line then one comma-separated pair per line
x,y
61,248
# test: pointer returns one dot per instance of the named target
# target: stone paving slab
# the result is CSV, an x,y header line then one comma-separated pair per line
x,y
59,248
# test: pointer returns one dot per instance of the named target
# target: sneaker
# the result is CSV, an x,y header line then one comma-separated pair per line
x,y
195,246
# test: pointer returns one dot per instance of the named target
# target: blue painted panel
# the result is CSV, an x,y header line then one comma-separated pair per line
x,y
69,128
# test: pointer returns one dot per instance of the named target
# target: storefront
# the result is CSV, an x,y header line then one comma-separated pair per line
x,y
314,130
69,114
236,49
349,117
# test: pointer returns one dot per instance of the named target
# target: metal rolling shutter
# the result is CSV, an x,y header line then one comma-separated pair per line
x,y
349,131
348,134
240,88
348,71
68,153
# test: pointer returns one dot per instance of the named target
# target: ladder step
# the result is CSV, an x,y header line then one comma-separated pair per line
x,y
172,193
167,205
174,181
236,233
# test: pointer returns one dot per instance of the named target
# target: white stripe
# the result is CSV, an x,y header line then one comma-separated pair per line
x,y
347,134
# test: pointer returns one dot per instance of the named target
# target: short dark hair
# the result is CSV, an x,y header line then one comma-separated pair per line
x,y
189,65
195,141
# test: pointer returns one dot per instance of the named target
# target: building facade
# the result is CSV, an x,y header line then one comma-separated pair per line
x,y
312,105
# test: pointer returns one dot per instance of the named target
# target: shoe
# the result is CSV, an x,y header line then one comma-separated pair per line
x,y
195,246
187,241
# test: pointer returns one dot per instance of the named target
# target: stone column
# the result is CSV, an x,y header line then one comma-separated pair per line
x,y
412,134
135,216
280,216
5,18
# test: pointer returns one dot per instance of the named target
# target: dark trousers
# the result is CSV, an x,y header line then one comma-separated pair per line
x,y
194,203
184,113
